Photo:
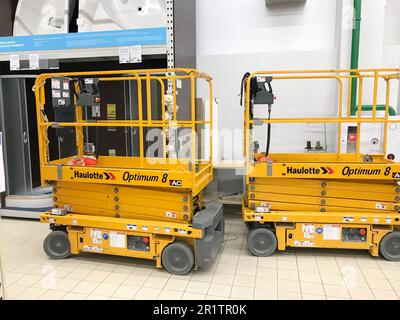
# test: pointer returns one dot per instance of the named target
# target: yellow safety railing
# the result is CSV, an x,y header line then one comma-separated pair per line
x,y
162,76
341,76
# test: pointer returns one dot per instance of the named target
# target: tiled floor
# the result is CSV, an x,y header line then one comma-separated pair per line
x,y
295,274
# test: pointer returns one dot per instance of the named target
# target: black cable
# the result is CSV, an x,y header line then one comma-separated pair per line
x,y
268,132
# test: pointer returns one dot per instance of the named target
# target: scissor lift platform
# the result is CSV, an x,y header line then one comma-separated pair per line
x,y
138,206
322,200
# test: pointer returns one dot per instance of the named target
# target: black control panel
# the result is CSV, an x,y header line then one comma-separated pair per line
x,y
354,234
138,243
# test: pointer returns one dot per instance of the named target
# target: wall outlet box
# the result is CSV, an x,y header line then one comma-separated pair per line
x,y
274,2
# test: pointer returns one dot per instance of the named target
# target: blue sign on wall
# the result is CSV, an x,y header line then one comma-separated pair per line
x,y
101,39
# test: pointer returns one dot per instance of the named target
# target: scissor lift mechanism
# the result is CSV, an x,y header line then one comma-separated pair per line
x,y
142,207
322,200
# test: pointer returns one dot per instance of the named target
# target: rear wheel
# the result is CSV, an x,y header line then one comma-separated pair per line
x,y
178,258
56,245
261,242
390,246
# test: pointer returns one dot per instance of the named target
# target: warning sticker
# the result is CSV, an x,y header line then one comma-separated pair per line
x,y
170,214
96,234
308,231
304,243
331,232
92,249
117,240
97,241
380,206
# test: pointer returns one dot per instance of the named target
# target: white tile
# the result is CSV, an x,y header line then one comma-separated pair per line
x,y
176,285
308,267
12,277
244,281
336,291
135,280
94,297
52,295
373,273
244,293
13,291
26,268
313,297
288,285
170,295
74,296
126,292
361,294
312,288
381,284
78,274
285,295
31,294
211,297
265,294
105,289
193,296
65,285
385,294
197,287
224,278
288,274
332,279
85,287
217,289
246,270
287,265
309,277
98,276
226,268
266,283
328,268
155,282
395,284
116,278
268,273
147,294
28,280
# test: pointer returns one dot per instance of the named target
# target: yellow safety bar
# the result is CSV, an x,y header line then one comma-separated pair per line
x,y
341,76
161,76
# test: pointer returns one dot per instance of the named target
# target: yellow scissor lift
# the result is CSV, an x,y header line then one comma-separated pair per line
x,y
136,206
322,200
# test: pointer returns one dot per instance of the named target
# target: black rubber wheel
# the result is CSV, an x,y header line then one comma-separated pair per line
x,y
178,258
261,242
390,246
57,246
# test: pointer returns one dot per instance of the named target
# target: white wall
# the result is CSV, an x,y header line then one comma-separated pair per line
x,y
246,36
238,36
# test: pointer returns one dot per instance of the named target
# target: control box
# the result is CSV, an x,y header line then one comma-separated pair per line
x,y
138,243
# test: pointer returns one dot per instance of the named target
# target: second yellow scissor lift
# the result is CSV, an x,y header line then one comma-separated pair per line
x,y
322,200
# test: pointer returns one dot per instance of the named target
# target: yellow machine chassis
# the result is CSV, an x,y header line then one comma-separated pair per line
x,y
96,192
160,234
332,190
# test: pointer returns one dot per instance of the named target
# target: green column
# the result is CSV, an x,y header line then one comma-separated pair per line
x,y
355,51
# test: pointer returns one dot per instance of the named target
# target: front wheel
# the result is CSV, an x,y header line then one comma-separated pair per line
x,y
57,246
390,246
178,258
262,242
